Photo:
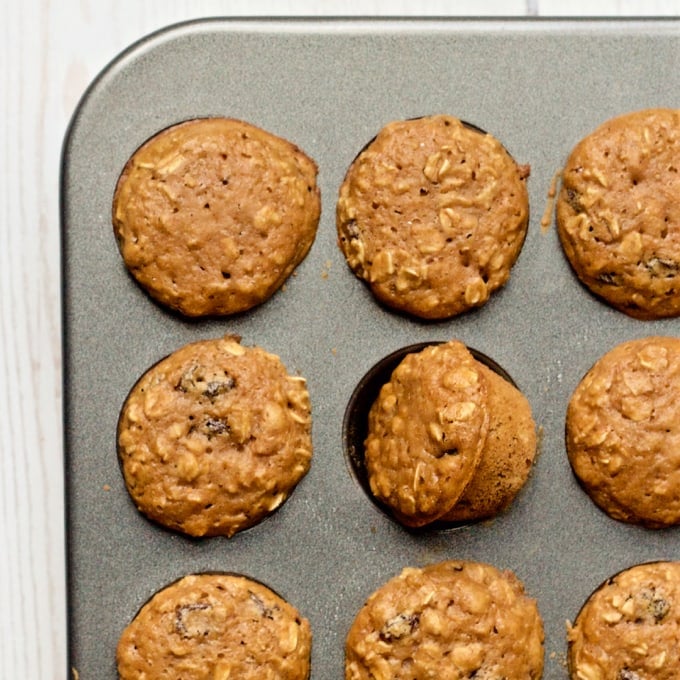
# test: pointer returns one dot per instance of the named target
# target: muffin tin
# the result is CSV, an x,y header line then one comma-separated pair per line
x,y
355,420
539,86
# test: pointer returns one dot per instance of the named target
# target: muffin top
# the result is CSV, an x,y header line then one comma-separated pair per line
x,y
212,215
450,620
214,437
623,431
618,212
215,627
432,214
629,627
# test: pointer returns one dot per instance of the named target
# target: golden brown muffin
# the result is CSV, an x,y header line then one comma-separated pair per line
x,y
426,431
432,214
618,212
215,627
507,457
451,621
629,627
212,215
214,437
623,431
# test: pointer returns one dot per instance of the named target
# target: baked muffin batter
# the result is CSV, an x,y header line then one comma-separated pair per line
x,y
629,628
432,214
623,431
212,215
453,620
618,212
214,437
507,457
215,627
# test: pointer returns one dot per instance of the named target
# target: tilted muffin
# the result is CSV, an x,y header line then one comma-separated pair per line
x,y
432,214
507,456
214,437
448,439
629,627
213,214
215,627
451,620
426,431
623,432
618,212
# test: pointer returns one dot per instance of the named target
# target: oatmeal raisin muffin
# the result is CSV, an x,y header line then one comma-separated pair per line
x,y
452,620
432,214
426,432
449,438
629,627
623,432
618,212
213,214
214,437
215,627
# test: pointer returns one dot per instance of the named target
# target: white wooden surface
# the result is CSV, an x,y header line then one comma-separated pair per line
x,y
49,52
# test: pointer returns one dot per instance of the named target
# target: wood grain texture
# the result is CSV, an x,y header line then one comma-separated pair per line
x,y
623,8
48,55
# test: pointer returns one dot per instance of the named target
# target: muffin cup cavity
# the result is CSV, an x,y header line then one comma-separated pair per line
x,y
355,422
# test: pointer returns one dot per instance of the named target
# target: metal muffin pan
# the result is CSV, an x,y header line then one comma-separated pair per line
x,y
329,85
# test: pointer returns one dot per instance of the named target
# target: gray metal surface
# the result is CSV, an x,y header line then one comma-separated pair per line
x,y
539,86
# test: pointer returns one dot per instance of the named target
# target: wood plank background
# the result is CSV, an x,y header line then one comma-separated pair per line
x,y
49,53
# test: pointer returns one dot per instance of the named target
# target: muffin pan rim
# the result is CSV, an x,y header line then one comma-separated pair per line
x,y
78,337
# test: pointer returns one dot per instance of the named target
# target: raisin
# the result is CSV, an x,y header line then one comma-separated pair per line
x,y
399,627
657,605
215,388
608,278
574,200
195,380
215,426
352,229
265,611
658,266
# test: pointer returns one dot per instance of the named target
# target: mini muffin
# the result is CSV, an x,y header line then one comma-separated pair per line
x,y
629,628
432,214
623,432
507,456
214,437
449,621
212,215
215,627
426,432
618,212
